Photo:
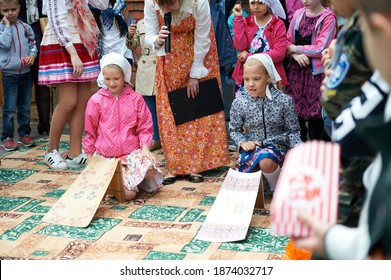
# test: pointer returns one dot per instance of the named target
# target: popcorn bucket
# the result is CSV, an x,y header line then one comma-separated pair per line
x,y
309,183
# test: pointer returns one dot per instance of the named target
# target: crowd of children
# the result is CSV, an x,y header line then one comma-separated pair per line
x,y
298,77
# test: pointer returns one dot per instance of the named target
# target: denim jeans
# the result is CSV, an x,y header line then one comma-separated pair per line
x,y
17,98
151,103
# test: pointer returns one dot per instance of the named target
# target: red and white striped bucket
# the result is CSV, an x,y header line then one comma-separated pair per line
x,y
309,182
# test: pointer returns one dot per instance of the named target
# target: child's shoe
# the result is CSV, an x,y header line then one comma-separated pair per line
x,y
79,161
55,161
27,141
8,144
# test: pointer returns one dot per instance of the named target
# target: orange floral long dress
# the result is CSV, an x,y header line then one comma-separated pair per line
x,y
197,145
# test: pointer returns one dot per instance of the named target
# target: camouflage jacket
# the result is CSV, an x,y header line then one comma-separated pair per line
x,y
350,66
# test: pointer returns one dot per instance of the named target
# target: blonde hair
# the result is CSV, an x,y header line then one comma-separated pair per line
x,y
254,61
113,66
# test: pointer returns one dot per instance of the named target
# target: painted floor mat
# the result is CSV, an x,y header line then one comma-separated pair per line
x,y
155,226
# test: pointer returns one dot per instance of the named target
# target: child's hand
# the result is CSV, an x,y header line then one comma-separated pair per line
x,y
327,54
242,56
290,50
77,65
28,60
250,145
326,57
316,242
301,59
5,21
237,10
327,74
147,153
131,30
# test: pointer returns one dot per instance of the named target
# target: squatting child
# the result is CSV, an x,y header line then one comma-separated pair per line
x,y
264,122
118,124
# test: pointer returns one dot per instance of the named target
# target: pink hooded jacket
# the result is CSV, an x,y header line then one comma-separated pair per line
x,y
244,30
117,125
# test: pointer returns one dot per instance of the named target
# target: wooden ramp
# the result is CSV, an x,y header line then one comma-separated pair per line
x,y
79,203
230,216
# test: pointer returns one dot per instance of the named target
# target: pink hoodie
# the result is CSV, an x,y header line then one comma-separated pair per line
x,y
117,125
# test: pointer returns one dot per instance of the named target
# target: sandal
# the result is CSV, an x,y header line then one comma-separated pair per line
x,y
196,178
169,179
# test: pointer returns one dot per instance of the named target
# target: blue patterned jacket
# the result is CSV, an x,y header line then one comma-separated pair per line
x,y
270,120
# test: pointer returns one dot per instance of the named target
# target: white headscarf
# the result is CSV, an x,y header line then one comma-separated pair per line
x,y
267,62
274,5
117,59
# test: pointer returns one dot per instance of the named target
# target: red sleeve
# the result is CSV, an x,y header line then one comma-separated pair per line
x,y
278,49
240,30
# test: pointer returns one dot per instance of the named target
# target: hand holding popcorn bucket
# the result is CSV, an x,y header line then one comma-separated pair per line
x,y
308,183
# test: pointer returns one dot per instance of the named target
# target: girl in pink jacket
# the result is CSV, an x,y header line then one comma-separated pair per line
x,y
118,124
261,32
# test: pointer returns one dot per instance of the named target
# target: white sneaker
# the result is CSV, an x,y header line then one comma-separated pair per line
x,y
232,148
55,161
79,161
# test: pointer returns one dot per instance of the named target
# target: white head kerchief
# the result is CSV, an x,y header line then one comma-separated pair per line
x,y
274,5
117,59
267,62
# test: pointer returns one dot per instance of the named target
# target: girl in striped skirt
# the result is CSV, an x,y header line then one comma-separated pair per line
x,y
69,61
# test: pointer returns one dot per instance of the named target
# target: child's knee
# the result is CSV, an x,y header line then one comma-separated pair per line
x,y
68,106
130,195
267,165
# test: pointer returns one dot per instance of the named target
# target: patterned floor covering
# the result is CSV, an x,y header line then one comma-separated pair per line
x,y
159,226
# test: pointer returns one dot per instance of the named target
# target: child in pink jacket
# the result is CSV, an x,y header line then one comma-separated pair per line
x,y
118,124
261,32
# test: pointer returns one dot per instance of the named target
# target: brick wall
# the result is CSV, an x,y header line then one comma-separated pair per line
x,y
136,7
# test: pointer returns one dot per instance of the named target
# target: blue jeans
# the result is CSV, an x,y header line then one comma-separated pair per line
x,y
151,103
17,98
